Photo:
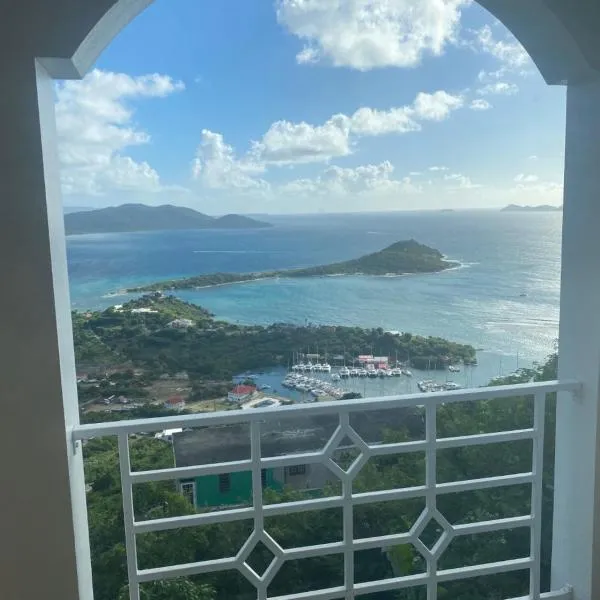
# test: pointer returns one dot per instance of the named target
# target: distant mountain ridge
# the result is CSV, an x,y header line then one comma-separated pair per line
x,y
537,208
140,217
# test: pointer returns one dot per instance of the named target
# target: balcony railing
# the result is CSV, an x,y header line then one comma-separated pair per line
x,y
348,499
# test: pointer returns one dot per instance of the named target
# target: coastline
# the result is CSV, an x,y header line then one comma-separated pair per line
x,y
126,291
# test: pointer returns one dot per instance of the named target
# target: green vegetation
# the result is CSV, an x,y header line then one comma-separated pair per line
x,y
139,217
211,352
400,258
160,499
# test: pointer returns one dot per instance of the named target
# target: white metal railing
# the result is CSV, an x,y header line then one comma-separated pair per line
x,y
348,499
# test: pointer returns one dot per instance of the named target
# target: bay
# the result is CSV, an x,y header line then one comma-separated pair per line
x,y
504,299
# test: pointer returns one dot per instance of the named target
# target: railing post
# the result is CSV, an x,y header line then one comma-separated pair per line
x,y
576,537
43,521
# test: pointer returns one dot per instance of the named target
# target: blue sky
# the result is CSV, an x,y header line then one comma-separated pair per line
x,y
312,105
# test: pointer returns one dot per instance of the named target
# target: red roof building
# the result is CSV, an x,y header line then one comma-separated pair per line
x,y
241,392
175,403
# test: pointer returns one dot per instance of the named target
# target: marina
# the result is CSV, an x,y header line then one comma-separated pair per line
x,y
307,381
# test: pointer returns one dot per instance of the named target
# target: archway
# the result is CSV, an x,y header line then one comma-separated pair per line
x,y
545,28
45,490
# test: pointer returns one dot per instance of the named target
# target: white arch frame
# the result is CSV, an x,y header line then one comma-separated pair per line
x,y
62,39
539,29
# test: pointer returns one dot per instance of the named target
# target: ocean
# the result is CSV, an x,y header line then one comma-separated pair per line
x,y
503,299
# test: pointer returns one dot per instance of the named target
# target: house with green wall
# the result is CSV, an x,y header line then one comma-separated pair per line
x,y
226,489
231,443
282,436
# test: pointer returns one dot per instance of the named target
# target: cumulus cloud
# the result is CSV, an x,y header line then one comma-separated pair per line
x,y
217,167
367,34
95,127
508,51
480,104
373,181
437,168
501,88
287,143
295,143
458,181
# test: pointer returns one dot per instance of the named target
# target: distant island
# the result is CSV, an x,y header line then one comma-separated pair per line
x,y
537,208
402,258
140,217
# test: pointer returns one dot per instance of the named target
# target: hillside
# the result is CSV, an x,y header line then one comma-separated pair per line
x,y
139,217
215,350
402,258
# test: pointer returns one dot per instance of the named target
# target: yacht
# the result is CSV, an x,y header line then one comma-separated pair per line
x,y
344,372
335,377
407,373
326,367
450,385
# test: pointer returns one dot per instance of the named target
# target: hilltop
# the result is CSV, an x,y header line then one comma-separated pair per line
x,y
141,334
140,217
402,258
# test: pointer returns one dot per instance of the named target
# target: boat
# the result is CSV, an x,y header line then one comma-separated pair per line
x,y
407,373
335,377
450,386
454,369
344,372
326,367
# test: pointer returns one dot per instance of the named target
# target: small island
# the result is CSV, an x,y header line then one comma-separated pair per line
x,y
402,258
536,208
140,217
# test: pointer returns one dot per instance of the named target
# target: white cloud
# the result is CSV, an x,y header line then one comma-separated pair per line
x,y
487,76
458,181
296,143
436,106
287,143
523,178
533,157
437,168
508,51
480,104
95,126
501,88
367,182
217,167
366,34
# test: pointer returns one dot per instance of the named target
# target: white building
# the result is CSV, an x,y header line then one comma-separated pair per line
x,y
241,393
176,403
41,41
181,324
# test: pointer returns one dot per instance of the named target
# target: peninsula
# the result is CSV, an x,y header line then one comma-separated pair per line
x,y
140,217
402,258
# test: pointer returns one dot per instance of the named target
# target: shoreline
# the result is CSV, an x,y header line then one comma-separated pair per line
x,y
457,265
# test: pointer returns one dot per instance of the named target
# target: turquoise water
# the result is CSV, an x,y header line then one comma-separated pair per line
x,y
504,299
